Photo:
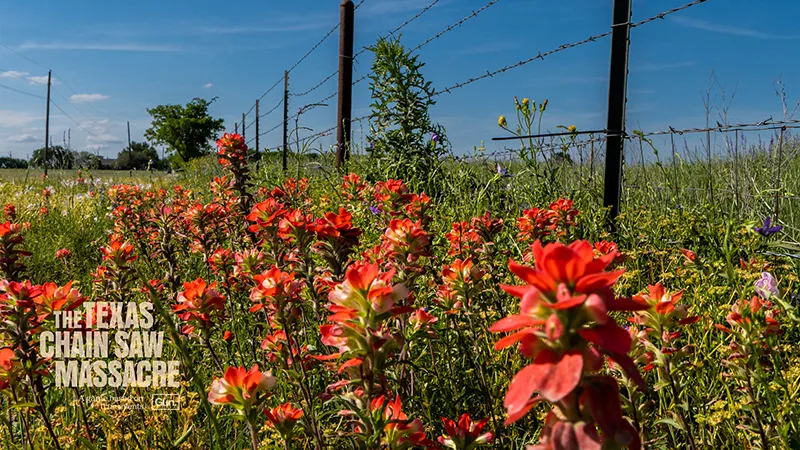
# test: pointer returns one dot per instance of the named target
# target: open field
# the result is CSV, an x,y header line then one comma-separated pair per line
x,y
289,296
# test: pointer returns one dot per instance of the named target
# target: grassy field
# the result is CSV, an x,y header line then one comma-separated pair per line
x,y
166,238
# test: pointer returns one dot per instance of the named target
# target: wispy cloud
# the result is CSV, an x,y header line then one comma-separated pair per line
x,y
657,67
86,98
13,74
399,6
23,138
491,47
90,46
731,30
16,119
103,139
208,86
41,79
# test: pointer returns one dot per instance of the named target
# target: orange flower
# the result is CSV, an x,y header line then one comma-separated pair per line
x,y
240,388
283,418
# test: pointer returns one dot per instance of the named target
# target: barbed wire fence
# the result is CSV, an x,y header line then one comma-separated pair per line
x,y
589,155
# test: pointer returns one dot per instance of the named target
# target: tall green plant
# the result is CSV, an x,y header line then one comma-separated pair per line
x,y
404,143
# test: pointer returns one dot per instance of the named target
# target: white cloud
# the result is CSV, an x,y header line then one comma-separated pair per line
x,y
85,98
104,139
208,86
16,119
96,147
42,79
13,74
732,30
132,47
24,138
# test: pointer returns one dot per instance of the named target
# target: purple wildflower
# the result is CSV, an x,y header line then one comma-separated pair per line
x,y
435,137
503,172
375,210
767,229
766,286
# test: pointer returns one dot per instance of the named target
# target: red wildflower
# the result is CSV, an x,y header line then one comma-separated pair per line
x,y
283,418
465,434
197,303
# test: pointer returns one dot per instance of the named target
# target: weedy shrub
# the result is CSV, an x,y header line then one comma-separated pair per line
x,y
403,143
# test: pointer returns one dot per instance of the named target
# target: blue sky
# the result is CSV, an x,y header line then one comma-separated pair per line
x,y
111,61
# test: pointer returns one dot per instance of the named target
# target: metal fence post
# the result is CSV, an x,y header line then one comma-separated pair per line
x,y
345,104
258,148
617,87
776,181
285,121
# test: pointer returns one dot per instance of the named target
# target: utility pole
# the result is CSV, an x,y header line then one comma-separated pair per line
x,y
236,127
617,92
69,138
244,122
47,123
345,106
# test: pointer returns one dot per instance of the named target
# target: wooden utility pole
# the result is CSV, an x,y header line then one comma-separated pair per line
x,y
285,122
47,124
345,104
617,91
244,127
236,127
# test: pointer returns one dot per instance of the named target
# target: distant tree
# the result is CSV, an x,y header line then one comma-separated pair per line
x,y
7,162
137,156
58,157
87,160
187,130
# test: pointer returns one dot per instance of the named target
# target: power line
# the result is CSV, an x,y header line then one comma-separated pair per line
x,y
21,92
23,56
73,120
75,93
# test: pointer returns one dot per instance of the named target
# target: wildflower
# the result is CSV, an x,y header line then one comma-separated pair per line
x,y
406,241
274,289
503,172
465,434
197,303
63,253
283,418
766,286
422,319
690,256
375,210
240,388
525,102
502,122
10,211
767,229
435,137
572,129
566,300
227,336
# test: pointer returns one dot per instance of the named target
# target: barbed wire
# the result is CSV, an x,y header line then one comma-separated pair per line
x,y
317,86
324,38
455,25
764,125
271,110
541,56
270,89
364,49
271,129
665,13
